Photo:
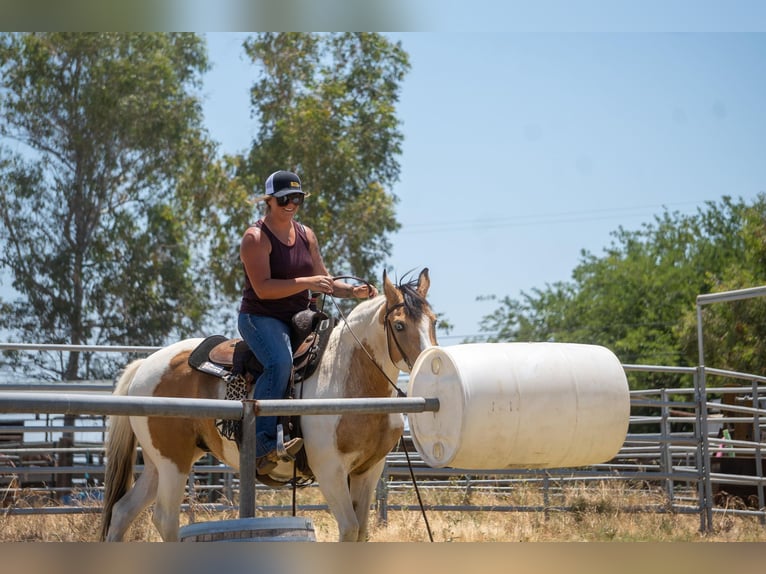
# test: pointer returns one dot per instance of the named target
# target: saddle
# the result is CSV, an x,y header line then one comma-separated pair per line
x,y
227,358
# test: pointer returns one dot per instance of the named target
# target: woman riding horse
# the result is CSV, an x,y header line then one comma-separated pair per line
x,y
282,263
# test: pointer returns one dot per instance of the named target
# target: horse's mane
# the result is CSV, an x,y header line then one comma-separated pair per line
x,y
414,303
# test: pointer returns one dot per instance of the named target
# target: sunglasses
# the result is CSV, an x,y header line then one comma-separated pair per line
x,y
296,198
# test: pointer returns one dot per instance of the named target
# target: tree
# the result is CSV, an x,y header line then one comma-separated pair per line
x,y
325,104
633,299
105,189
734,333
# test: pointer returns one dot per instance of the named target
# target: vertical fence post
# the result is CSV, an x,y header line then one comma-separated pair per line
x,y
247,462
700,390
666,458
758,455
191,494
703,448
381,497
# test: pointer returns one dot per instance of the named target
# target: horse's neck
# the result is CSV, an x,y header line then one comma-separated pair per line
x,y
363,325
365,314
360,347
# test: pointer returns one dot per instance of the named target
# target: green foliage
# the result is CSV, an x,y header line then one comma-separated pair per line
x,y
105,187
734,333
325,104
120,225
638,298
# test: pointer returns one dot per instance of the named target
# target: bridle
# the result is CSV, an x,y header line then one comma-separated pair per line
x,y
392,332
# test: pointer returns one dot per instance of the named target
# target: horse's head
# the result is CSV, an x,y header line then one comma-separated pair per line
x,y
408,320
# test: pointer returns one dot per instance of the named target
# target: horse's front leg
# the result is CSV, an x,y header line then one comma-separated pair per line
x,y
333,482
362,487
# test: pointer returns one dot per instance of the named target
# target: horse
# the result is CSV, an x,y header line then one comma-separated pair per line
x,y
346,452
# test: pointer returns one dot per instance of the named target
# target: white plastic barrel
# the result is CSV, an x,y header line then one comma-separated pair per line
x,y
519,405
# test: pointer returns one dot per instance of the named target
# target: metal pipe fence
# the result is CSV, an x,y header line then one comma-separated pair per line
x,y
675,450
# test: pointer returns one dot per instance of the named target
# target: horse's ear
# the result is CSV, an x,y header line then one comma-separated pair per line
x,y
392,293
424,283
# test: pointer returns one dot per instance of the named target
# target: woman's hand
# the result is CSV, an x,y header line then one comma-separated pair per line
x,y
364,292
320,284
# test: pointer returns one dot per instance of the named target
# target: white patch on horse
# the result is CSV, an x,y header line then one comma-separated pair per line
x,y
151,372
426,333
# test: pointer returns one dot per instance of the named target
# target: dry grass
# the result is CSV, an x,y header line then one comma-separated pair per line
x,y
601,513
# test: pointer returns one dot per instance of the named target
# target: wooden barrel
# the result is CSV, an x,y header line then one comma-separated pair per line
x,y
279,529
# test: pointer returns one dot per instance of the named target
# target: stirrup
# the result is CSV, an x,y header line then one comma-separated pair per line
x,y
286,451
281,450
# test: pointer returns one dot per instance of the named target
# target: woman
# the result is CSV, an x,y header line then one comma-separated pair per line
x,y
282,265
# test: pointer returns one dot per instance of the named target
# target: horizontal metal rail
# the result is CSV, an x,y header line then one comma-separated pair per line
x,y
735,295
19,402
78,348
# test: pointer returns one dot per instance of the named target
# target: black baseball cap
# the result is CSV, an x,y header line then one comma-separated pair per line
x,y
281,183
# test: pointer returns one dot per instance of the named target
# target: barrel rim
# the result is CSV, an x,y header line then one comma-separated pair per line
x,y
253,524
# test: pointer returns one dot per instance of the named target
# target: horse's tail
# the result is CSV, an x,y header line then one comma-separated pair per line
x,y
120,453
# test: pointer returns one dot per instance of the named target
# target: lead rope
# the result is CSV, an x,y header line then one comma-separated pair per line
x,y
415,484
295,488
399,392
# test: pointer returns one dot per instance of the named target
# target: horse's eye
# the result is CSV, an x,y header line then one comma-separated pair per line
x,y
399,326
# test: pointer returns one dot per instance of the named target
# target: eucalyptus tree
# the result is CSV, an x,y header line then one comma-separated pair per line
x,y
325,106
107,174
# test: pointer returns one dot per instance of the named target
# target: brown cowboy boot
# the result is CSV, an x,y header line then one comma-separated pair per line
x,y
268,462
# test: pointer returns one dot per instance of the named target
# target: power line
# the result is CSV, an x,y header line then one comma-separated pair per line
x,y
540,218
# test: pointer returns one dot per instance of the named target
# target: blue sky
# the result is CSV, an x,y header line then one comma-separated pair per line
x,y
522,149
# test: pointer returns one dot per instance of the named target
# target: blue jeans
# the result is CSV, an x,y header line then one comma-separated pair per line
x,y
269,339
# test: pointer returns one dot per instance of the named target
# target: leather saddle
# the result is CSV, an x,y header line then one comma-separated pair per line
x,y
224,357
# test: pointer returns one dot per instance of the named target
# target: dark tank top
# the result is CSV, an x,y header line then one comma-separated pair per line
x,y
287,262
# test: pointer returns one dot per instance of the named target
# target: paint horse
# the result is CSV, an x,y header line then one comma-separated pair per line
x,y
346,452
